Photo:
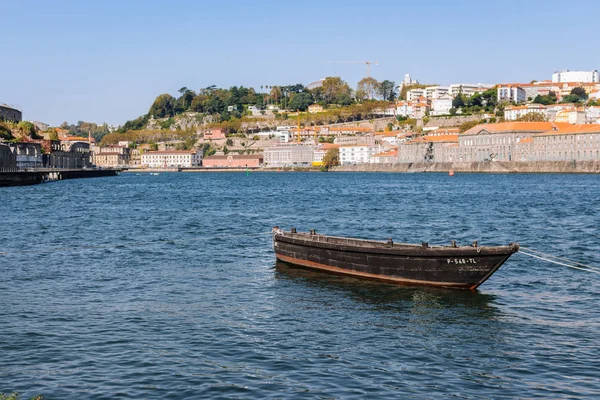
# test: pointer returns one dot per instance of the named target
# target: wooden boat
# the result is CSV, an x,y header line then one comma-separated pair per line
x,y
463,267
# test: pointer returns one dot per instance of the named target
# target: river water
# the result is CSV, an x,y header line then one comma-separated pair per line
x,y
148,289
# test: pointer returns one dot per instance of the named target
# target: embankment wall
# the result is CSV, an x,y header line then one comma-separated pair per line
x,y
586,167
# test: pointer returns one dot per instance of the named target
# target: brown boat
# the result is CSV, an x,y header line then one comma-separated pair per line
x,y
463,267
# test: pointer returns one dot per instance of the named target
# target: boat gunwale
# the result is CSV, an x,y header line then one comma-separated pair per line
x,y
397,249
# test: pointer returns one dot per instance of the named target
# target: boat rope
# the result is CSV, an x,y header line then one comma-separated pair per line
x,y
542,254
553,259
128,244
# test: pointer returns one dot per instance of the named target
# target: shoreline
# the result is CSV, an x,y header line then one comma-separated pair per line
x,y
487,167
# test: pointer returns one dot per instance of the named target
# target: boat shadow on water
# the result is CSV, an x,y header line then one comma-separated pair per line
x,y
389,296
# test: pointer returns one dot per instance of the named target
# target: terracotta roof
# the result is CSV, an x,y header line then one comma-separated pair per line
x,y
435,139
350,128
75,139
526,141
568,129
390,153
445,130
525,107
515,127
388,134
327,146
108,154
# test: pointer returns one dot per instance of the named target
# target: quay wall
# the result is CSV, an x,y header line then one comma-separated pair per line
x,y
576,167
20,178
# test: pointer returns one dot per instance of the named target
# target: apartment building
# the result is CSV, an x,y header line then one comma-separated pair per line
x,y
172,159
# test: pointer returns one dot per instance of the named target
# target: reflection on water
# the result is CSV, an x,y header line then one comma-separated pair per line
x,y
385,295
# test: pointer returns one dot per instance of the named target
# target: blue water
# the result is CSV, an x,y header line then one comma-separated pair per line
x,y
203,312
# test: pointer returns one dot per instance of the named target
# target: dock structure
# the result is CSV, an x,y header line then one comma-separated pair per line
x,y
17,177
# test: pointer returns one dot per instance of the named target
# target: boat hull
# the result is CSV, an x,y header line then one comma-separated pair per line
x,y
463,267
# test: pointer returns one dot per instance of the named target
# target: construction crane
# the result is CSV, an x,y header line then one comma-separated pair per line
x,y
368,63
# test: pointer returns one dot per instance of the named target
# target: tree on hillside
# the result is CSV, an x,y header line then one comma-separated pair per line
x,y
276,93
387,90
185,100
465,126
27,129
334,89
579,92
367,88
459,101
163,106
53,135
532,117
548,99
300,101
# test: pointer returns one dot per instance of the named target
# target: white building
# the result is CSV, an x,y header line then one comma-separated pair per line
x,y
442,105
289,156
404,109
415,94
512,113
172,158
592,114
435,92
468,89
356,154
571,116
575,76
386,157
511,93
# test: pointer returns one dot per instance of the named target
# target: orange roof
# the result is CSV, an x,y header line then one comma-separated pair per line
x,y
75,139
388,134
435,139
568,129
171,152
525,107
515,127
391,153
526,141
446,130
350,128
327,146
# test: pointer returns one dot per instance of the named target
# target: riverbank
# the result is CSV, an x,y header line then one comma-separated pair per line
x,y
498,167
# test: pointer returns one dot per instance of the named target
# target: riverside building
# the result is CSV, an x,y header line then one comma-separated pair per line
x,y
568,143
497,141
172,158
289,156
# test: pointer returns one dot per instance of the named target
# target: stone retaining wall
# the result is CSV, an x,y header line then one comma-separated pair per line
x,y
588,167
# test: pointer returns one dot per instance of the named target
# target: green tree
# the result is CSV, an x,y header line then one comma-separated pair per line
x,y
548,99
27,129
532,117
387,90
465,126
579,92
459,101
334,89
331,158
53,135
367,88
300,101
163,106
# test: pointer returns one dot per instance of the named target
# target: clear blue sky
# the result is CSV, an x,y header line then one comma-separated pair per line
x,y
107,60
